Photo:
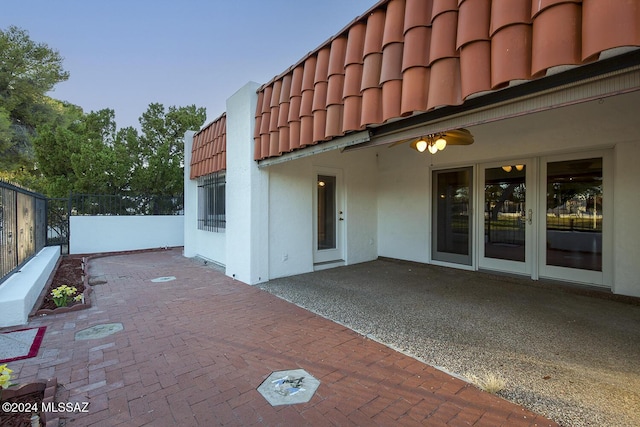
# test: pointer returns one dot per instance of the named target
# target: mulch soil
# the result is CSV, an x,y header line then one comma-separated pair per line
x,y
69,273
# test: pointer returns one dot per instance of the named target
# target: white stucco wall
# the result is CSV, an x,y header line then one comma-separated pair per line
x,y
361,186
404,220
290,218
206,244
93,234
626,211
209,245
246,193
291,186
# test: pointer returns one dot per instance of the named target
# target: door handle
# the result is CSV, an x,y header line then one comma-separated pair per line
x,y
530,216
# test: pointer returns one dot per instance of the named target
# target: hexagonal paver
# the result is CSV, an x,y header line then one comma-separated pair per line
x,y
289,387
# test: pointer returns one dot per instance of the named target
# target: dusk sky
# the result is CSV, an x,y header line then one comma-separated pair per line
x,y
126,54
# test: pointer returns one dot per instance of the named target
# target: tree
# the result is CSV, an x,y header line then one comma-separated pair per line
x,y
83,156
89,155
28,70
159,152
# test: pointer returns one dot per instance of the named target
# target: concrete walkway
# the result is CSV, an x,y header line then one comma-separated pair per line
x,y
194,350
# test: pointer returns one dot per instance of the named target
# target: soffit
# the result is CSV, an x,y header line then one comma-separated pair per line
x,y
209,149
407,57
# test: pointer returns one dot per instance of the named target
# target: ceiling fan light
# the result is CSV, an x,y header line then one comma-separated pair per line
x,y
441,143
421,145
433,149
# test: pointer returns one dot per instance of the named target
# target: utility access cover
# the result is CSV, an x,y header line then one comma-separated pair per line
x,y
98,331
163,279
289,387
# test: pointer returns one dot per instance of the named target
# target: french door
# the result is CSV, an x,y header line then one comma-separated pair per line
x,y
506,216
546,217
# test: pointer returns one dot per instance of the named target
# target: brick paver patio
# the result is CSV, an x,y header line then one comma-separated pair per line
x,y
193,351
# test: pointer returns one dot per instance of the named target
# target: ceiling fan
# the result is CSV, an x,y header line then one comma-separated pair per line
x,y
438,141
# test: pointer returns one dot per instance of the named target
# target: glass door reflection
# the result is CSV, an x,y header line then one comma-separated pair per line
x,y
326,212
452,216
574,214
505,212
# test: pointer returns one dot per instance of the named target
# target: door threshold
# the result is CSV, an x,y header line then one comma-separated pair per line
x,y
328,264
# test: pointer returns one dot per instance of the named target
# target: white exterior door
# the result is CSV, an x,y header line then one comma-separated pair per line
x,y
546,218
506,220
329,217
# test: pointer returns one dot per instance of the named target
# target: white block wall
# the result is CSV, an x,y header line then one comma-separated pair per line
x,y
93,234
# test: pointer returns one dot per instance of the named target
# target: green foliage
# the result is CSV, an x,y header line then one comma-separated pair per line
x,y
159,152
28,70
88,155
6,134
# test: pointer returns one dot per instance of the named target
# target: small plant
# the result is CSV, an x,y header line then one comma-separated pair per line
x,y
489,382
62,295
5,378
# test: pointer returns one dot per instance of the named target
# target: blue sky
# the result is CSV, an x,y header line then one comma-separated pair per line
x,y
126,54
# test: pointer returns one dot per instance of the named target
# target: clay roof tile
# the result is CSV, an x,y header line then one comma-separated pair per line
x,y
374,33
322,66
607,24
209,144
473,21
417,14
394,23
509,12
285,91
556,38
337,57
355,44
408,56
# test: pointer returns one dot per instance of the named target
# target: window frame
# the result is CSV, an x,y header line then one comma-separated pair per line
x,y
211,202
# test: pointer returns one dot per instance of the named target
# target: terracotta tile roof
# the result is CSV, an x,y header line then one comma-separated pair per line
x,y
208,153
407,56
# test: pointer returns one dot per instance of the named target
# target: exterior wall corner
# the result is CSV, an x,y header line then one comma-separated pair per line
x,y
247,193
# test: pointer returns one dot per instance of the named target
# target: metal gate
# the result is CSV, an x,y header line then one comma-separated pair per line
x,y
58,211
22,226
